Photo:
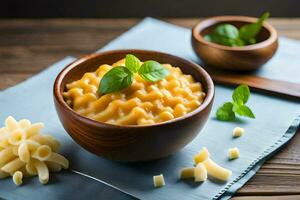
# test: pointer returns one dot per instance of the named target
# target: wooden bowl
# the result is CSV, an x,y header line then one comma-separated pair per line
x,y
244,58
135,142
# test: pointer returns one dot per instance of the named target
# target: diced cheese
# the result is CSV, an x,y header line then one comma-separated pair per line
x,y
233,153
201,156
216,171
187,172
158,180
238,131
200,173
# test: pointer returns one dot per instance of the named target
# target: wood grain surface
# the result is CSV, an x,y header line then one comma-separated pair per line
x,y
28,46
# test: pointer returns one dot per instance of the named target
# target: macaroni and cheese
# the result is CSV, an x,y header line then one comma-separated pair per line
x,y
141,103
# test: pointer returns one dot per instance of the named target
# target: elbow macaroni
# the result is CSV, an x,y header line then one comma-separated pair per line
x,y
25,151
141,103
17,178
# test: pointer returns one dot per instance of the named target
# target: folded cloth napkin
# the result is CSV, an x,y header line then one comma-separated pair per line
x,y
275,124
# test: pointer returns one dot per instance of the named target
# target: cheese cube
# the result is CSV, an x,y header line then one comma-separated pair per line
x,y
187,172
200,173
238,131
233,153
158,180
201,156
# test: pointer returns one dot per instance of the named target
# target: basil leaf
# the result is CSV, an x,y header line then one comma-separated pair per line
x,y
225,112
243,110
152,71
115,80
227,31
248,32
241,94
132,63
225,34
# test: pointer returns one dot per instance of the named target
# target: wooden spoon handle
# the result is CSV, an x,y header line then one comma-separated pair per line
x,y
275,87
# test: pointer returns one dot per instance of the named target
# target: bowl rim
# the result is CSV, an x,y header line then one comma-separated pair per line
x,y
58,97
207,22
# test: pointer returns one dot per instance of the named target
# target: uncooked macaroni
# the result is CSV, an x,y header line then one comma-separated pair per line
x,y
17,177
141,103
25,151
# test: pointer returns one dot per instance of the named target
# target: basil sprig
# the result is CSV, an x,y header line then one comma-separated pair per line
x,y
229,35
228,111
121,77
152,71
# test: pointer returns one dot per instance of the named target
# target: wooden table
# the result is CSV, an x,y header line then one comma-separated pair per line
x,y
28,46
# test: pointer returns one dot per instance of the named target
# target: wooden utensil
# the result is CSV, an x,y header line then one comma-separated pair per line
x,y
270,86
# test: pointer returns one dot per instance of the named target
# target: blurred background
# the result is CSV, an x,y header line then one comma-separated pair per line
x,y
36,33
141,8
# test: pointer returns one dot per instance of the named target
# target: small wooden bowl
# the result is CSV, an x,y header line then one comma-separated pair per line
x,y
244,58
131,143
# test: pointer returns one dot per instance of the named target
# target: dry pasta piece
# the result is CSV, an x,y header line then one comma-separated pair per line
x,y
33,129
16,137
11,124
59,159
30,168
17,178
24,151
24,123
46,140
42,153
53,167
216,171
3,174
42,171
6,155
32,145
13,166
4,142
187,172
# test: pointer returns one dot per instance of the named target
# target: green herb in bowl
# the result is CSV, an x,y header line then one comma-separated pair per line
x,y
230,35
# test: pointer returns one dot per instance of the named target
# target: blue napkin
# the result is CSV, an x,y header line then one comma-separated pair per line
x,y
275,124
